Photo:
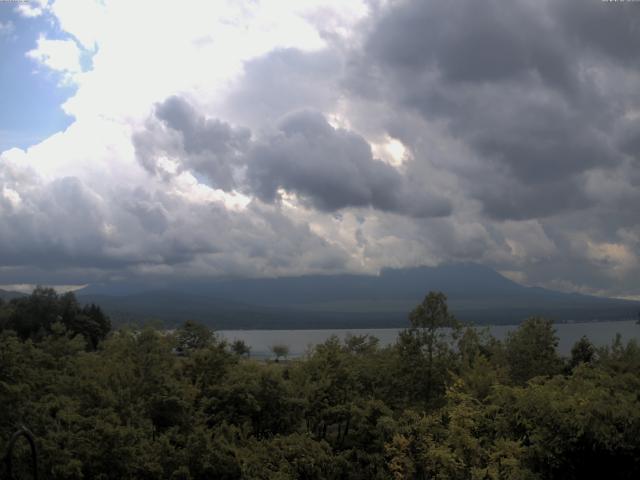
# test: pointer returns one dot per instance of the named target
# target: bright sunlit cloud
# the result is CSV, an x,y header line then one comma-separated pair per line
x,y
60,55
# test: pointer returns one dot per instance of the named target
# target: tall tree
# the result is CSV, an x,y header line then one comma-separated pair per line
x,y
193,336
426,345
531,350
35,315
280,351
582,351
240,348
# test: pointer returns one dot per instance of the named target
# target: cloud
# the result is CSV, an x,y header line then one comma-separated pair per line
x,y
597,28
208,146
478,42
255,138
283,81
32,9
73,229
517,84
525,113
60,55
81,206
46,223
28,288
81,19
327,168
332,169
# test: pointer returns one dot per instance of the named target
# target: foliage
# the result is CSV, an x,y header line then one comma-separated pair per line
x,y
531,350
35,315
443,402
193,336
582,351
426,349
240,348
280,351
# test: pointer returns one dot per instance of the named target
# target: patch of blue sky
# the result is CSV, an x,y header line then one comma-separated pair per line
x,y
31,94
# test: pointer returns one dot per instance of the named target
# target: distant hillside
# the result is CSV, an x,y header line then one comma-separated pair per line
x,y
476,294
8,295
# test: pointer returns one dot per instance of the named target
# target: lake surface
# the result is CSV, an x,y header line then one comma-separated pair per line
x,y
300,341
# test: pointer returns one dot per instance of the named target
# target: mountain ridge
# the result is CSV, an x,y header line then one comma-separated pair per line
x,y
9,294
476,294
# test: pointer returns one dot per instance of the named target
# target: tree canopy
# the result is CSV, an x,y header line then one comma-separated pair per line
x,y
444,401
34,316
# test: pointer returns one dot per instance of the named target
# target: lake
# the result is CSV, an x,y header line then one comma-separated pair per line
x,y
299,341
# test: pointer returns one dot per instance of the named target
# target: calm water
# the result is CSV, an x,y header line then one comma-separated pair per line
x,y
299,341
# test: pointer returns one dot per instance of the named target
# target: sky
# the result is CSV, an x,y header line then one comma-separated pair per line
x,y
184,139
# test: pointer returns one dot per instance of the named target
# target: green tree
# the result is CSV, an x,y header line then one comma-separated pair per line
x,y
292,457
193,336
457,442
135,409
240,348
34,316
426,348
531,350
584,425
254,396
361,344
90,322
583,351
280,351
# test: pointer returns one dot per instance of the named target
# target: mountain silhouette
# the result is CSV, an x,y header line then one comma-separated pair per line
x,y
476,294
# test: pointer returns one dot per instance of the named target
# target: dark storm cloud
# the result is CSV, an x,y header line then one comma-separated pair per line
x,y
332,169
67,230
200,134
328,168
610,30
52,223
207,145
468,41
508,199
523,84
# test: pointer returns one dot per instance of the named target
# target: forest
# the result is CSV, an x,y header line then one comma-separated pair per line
x,y
445,401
